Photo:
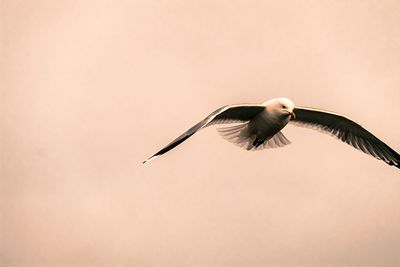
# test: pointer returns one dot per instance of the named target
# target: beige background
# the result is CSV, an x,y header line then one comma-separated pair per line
x,y
92,88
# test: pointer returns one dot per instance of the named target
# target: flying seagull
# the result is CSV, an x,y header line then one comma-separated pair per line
x,y
258,126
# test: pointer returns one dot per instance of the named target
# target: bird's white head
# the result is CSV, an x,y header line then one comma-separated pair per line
x,y
282,107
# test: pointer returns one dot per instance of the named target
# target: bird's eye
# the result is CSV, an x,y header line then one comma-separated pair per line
x,y
283,106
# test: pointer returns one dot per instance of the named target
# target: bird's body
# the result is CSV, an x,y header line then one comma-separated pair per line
x,y
264,126
268,123
258,126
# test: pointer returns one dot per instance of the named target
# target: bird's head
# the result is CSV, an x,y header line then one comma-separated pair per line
x,y
282,107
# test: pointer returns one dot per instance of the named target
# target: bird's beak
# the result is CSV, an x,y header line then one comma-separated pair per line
x,y
292,115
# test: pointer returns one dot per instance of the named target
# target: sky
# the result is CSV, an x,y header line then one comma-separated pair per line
x,y
90,89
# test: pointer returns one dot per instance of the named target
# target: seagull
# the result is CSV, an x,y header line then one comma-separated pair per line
x,y
259,126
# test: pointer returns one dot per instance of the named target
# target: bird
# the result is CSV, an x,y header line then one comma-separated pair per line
x,y
259,126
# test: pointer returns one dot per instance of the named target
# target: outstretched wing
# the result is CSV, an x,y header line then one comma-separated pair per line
x,y
347,131
226,114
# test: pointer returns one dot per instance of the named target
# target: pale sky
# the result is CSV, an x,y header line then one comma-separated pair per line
x,y
92,88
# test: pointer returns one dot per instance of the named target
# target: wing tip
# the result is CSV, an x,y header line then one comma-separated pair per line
x,y
149,159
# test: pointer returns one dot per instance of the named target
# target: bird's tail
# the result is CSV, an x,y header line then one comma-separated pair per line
x,y
240,136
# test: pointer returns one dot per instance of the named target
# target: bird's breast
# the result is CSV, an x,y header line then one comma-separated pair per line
x,y
266,125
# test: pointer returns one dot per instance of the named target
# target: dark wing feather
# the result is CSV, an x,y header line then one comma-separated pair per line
x,y
347,131
226,114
